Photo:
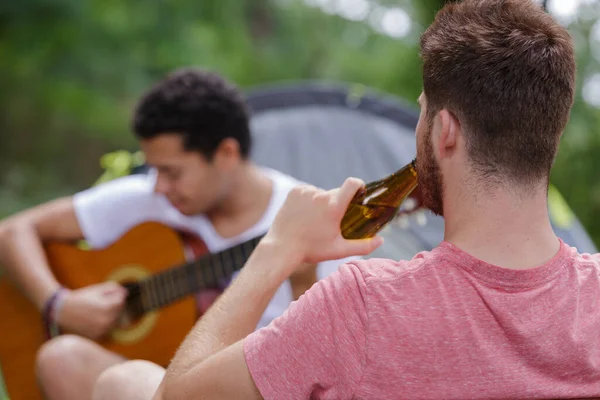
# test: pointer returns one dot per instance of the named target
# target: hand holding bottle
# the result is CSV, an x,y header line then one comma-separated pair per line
x,y
308,224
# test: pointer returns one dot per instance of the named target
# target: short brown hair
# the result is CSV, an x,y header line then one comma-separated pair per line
x,y
506,70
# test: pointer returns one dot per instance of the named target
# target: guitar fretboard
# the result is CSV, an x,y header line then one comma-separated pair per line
x,y
209,271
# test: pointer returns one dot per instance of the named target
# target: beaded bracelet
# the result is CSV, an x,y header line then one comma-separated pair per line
x,y
50,313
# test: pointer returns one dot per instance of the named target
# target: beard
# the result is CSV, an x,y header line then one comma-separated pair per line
x,y
429,175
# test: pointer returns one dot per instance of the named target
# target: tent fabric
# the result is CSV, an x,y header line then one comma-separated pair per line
x,y
321,133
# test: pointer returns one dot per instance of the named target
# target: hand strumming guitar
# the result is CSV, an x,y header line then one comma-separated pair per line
x,y
93,310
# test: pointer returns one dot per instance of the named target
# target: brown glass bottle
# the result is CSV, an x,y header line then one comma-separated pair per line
x,y
378,203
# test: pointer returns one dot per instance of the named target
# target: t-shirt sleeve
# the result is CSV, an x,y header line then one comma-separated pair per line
x,y
105,212
283,296
317,348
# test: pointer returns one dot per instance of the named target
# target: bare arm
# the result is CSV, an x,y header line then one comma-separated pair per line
x,y
21,251
234,316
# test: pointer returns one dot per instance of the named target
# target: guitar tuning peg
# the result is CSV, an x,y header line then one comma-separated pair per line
x,y
421,218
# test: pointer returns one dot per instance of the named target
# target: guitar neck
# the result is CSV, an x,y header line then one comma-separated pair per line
x,y
210,271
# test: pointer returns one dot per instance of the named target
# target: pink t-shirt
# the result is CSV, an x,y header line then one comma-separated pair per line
x,y
444,325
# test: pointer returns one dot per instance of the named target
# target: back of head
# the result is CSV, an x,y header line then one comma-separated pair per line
x,y
199,105
506,70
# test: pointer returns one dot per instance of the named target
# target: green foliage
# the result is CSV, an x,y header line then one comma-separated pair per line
x,y
118,164
575,172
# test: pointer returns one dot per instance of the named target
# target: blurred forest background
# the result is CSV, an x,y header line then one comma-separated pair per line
x,y
71,71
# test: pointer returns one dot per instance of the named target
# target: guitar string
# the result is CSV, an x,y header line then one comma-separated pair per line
x,y
163,288
181,287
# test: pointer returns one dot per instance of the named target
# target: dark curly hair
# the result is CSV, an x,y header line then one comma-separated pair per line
x,y
200,105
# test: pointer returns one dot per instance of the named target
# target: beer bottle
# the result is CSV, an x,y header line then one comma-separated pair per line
x,y
378,203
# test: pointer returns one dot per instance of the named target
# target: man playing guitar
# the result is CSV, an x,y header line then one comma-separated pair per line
x,y
193,128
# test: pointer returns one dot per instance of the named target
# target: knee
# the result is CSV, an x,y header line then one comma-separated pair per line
x,y
55,354
129,380
108,382
122,374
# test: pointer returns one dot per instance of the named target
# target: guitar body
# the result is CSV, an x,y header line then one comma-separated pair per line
x,y
144,250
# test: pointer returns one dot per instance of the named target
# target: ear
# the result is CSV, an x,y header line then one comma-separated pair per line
x,y
449,130
227,153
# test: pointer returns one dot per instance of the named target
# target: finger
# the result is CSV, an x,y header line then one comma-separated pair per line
x,y
332,192
111,288
115,298
348,190
300,190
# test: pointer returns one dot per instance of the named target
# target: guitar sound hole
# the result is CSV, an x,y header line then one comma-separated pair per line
x,y
134,309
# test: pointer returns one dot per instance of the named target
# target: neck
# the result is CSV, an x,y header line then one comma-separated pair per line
x,y
499,226
246,203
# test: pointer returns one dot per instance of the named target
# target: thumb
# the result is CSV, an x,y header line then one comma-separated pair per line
x,y
115,295
348,190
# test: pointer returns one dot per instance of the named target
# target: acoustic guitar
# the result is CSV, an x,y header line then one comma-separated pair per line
x,y
149,261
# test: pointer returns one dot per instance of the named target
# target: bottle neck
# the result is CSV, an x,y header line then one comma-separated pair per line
x,y
394,189
409,171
